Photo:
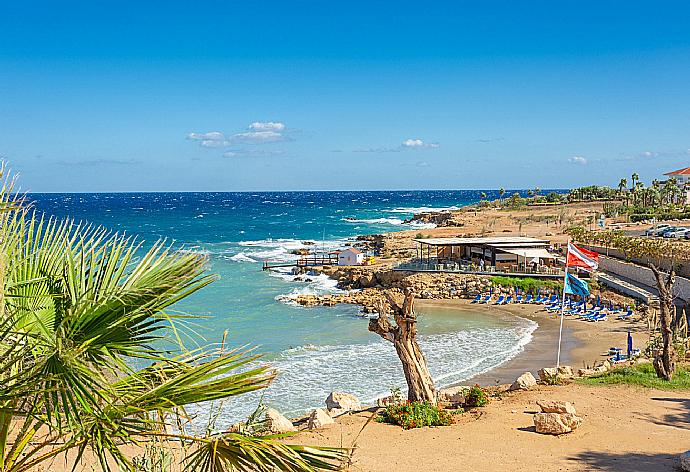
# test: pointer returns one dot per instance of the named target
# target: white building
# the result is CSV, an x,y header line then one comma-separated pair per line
x,y
682,177
350,257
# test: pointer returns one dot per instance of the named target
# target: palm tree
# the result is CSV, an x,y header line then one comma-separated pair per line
x,y
79,307
635,178
501,193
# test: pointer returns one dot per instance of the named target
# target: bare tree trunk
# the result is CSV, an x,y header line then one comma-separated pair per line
x,y
420,385
665,364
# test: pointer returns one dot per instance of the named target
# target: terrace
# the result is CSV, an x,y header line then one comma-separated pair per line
x,y
514,256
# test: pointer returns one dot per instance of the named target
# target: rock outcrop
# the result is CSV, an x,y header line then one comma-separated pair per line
x,y
452,395
556,407
547,373
556,423
557,417
524,382
339,403
319,418
438,218
276,423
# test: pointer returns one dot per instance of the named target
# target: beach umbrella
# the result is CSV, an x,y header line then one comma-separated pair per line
x,y
491,290
598,300
611,306
630,344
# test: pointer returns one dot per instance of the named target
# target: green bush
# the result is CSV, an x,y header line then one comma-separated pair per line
x,y
527,284
642,375
415,415
476,397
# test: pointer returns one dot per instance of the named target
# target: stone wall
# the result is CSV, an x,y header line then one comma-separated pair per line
x,y
642,275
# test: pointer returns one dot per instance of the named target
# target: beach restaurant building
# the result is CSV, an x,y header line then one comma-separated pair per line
x,y
507,254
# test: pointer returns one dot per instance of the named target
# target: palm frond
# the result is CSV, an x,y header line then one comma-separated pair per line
x,y
232,452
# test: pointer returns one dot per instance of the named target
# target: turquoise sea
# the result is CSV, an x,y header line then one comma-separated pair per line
x,y
315,350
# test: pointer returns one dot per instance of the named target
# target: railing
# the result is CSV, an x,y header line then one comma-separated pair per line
x,y
433,265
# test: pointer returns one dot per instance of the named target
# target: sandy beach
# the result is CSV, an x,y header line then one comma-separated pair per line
x,y
584,343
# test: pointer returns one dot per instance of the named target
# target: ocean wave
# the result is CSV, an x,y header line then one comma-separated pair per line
x,y
375,221
241,257
281,250
422,209
308,373
313,285
391,221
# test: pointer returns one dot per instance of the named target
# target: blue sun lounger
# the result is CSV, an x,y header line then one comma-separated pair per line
x,y
508,300
477,299
529,298
500,300
625,316
486,299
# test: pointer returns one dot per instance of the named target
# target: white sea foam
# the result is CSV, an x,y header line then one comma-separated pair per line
x,y
390,221
280,250
308,373
242,257
422,209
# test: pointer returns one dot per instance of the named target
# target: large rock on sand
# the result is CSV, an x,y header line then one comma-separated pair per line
x,y
319,418
565,371
556,407
524,382
277,423
547,373
339,403
556,423
454,395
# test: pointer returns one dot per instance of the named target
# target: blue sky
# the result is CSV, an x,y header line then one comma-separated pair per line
x,y
229,96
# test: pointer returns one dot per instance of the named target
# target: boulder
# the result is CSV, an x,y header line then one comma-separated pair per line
x,y
454,395
342,402
685,461
524,382
565,371
546,373
277,423
556,407
556,423
585,372
319,418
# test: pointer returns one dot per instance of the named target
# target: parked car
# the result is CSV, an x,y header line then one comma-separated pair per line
x,y
678,232
655,229
663,231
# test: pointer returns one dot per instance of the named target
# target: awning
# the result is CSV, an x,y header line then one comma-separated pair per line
x,y
532,253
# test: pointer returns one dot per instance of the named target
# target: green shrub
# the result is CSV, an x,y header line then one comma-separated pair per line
x,y
642,375
415,415
527,284
476,397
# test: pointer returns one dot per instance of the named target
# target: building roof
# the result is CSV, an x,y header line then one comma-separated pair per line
x,y
353,250
497,241
531,253
685,171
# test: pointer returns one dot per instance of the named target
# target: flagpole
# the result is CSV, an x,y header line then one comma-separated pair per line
x,y
560,329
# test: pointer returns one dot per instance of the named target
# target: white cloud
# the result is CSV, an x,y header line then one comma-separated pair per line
x,y
251,153
267,126
413,143
258,137
577,160
210,136
210,143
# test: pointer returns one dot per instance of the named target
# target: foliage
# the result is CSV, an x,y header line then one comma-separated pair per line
x,y
527,284
553,379
475,396
415,415
642,375
553,197
80,307
590,193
